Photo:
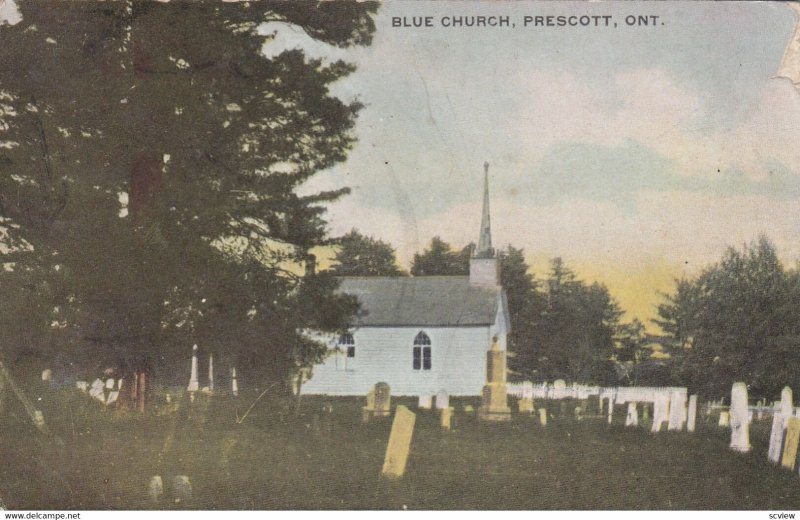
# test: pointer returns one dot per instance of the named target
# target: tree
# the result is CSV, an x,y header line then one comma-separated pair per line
x,y
440,260
526,303
144,160
575,337
359,255
737,321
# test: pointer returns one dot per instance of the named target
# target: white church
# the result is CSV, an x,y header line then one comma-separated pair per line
x,y
421,335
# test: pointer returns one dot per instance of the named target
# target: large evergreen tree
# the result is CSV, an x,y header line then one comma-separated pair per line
x,y
150,148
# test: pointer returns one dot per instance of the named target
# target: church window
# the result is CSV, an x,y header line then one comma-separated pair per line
x,y
346,346
422,352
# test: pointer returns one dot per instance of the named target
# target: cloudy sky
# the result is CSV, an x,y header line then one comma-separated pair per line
x,y
636,153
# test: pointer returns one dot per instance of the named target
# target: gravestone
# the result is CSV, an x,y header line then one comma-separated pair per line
x,y
691,418
234,382
383,400
83,386
442,400
394,464
379,402
47,375
610,410
724,419
579,413
155,489
632,419
787,405
660,410
494,405
740,427
543,416
675,411
525,406
445,416
775,438
211,373
97,390
194,383
425,401
182,489
110,383
790,444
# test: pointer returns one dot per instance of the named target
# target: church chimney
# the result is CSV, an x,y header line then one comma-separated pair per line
x,y
484,268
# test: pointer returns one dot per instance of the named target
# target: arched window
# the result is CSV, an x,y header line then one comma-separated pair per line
x,y
347,346
422,352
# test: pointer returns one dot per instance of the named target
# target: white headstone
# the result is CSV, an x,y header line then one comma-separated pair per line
x,y
110,383
83,386
724,419
776,438
97,390
676,411
47,375
787,404
610,410
425,401
211,372
194,383
155,489
442,400
559,384
660,410
740,428
691,413
112,397
234,383
632,419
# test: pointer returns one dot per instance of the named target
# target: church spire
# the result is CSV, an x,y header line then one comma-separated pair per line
x,y
484,249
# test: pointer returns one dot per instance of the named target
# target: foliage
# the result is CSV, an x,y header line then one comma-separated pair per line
x,y
153,150
736,321
440,260
360,255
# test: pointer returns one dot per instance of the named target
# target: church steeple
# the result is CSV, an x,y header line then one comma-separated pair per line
x,y
484,249
484,269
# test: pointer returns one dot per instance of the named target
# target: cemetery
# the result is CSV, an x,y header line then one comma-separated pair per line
x,y
519,446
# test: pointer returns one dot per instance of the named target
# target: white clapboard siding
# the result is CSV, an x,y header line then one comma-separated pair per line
x,y
458,362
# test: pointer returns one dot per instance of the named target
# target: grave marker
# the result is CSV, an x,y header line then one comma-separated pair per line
x,y
425,401
155,489
194,384
543,416
740,427
790,444
394,464
442,400
691,413
724,419
775,438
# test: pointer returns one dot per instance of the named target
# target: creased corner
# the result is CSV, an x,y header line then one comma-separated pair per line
x,y
790,64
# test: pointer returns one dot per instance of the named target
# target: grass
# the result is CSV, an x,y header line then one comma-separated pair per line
x,y
282,458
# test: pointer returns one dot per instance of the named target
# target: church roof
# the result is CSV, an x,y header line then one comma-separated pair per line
x,y
422,301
